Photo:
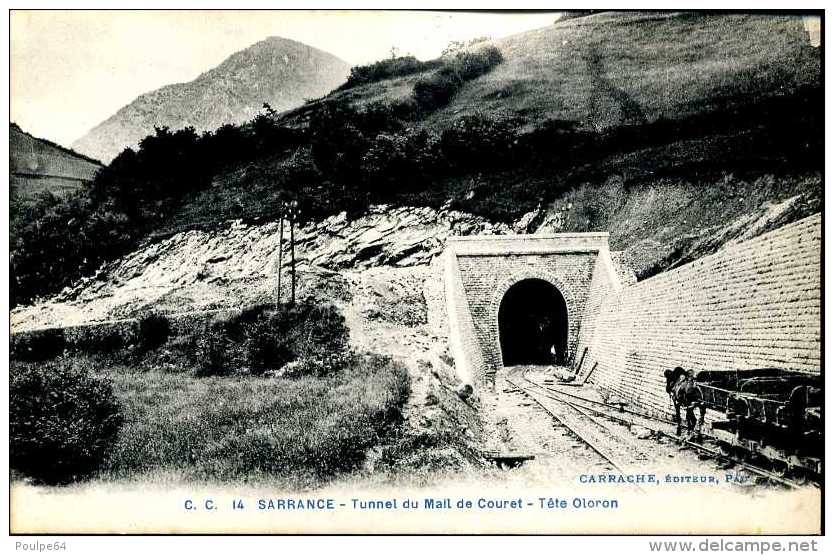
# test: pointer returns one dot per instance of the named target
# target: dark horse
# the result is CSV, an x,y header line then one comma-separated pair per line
x,y
684,392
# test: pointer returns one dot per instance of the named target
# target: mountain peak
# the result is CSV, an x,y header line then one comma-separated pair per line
x,y
279,40
276,70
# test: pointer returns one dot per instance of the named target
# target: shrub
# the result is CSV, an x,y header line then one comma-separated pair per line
x,y
556,138
386,158
154,330
477,140
337,142
378,117
303,331
38,345
59,239
62,422
404,108
321,366
103,340
401,162
269,136
425,149
213,354
469,65
268,344
385,69
263,338
437,90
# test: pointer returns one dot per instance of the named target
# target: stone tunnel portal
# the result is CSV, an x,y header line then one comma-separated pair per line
x,y
533,324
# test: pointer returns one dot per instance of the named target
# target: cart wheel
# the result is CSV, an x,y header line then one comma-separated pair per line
x,y
799,475
780,468
745,455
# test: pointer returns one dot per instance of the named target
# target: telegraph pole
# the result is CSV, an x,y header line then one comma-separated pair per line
x,y
280,251
293,214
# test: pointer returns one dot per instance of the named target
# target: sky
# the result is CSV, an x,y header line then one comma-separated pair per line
x,y
70,70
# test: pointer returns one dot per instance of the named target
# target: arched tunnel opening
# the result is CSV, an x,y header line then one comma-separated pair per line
x,y
533,324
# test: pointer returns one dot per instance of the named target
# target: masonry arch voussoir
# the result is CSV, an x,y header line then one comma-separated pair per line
x,y
515,277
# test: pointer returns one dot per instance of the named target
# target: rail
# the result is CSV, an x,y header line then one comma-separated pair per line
x,y
629,418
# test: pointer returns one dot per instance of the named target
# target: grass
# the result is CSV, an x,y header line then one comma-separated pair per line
x,y
668,65
300,432
28,188
237,424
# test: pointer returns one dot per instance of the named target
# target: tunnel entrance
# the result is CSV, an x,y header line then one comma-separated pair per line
x,y
533,324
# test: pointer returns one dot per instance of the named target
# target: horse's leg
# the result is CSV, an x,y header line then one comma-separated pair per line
x,y
702,410
690,419
678,418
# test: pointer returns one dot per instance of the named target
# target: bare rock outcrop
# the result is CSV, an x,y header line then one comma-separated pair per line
x,y
237,265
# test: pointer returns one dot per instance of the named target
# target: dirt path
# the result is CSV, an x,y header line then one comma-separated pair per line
x,y
391,312
411,345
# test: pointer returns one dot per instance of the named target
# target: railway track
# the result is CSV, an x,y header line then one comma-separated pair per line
x,y
620,452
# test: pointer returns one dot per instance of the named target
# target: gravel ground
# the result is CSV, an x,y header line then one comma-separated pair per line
x,y
523,426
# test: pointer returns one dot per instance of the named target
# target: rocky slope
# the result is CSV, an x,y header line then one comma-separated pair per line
x,y
280,72
236,266
666,222
387,254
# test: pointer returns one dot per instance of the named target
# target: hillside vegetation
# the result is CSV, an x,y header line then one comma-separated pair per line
x,y
271,393
37,166
667,129
611,69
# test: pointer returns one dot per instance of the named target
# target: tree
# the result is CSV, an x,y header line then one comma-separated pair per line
x,y
457,45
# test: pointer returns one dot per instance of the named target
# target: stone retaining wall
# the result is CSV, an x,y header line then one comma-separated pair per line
x,y
755,304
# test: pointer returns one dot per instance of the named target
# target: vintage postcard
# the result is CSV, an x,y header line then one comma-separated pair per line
x,y
416,272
